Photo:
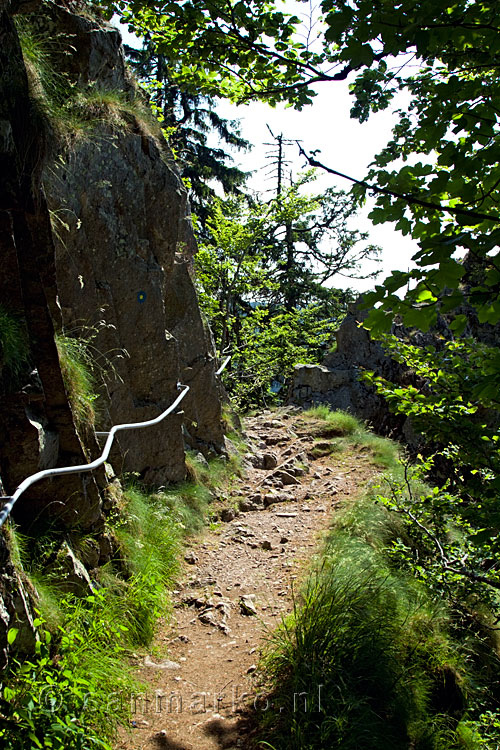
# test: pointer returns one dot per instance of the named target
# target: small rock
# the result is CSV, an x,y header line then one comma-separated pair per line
x,y
266,544
208,617
227,514
247,606
251,669
285,477
273,498
200,458
73,575
271,440
255,497
224,607
284,540
167,664
270,460
190,557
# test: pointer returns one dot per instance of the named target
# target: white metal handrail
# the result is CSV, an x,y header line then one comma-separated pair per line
x,y
7,508
223,366
11,501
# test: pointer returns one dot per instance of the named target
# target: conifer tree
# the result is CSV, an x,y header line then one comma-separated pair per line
x,y
188,120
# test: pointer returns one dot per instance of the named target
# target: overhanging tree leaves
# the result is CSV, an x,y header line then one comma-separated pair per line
x,y
261,272
443,55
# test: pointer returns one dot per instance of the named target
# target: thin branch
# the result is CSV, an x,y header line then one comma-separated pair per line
x,y
408,197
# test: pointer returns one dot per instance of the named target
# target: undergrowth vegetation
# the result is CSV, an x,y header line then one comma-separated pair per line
x,y
78,685
373,655
338,430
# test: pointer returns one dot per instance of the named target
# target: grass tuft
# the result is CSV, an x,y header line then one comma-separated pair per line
x,y
77,372
345,431
14,347
337,423
391,675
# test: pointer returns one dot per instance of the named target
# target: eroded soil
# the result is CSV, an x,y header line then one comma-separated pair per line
x,y
237,584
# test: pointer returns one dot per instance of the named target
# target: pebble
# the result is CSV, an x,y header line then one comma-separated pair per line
x,y
167,664
247,605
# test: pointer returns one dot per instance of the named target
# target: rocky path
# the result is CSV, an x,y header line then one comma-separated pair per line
x,y
237,583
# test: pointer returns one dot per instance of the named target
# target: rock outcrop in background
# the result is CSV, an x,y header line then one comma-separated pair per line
x,y
336,382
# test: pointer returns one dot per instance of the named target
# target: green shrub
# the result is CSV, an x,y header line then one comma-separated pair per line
x,y
74,699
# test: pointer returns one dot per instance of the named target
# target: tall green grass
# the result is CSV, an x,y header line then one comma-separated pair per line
x,y
79,380
371,657
345,431
76,688
72,110
367,659
14,347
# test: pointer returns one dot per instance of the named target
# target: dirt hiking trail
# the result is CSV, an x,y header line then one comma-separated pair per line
x,y
236,585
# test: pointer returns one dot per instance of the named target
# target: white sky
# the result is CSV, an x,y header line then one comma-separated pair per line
x,y
345,146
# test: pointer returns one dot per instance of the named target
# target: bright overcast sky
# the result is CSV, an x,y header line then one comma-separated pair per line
x,y
344,145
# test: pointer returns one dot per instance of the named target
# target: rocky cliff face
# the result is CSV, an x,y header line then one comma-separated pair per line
x,y
123,267
95,240
38,429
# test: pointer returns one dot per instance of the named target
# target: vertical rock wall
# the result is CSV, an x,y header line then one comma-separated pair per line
x,y
123,267
95,240
37,422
